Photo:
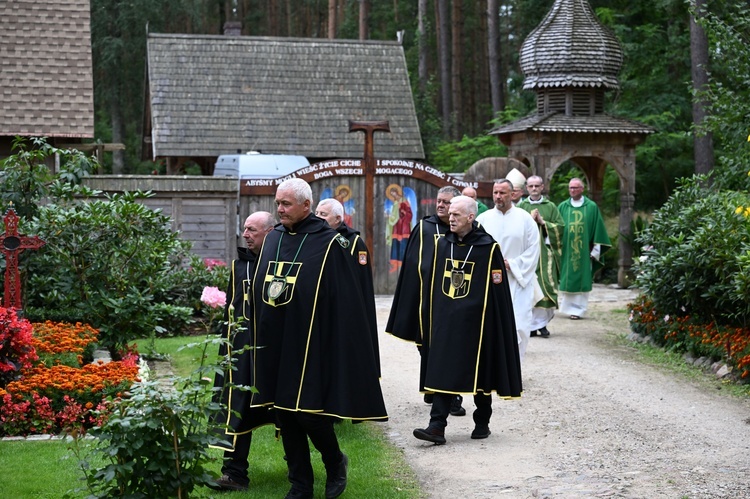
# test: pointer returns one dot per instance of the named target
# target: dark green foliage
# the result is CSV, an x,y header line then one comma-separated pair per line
x,y
696,255
729,96
101,260
112,263
655,90
188,275
25,176
155,442
460,155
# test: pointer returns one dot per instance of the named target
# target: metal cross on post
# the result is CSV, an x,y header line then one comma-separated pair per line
x,y
369,127
13,244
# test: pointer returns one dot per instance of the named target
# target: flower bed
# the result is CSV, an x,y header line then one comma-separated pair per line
x,y
53,389
682,334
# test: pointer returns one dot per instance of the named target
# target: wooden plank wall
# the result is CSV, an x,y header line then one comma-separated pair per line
x,y
210,211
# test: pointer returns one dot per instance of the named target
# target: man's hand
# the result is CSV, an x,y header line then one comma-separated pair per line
x,y
537,217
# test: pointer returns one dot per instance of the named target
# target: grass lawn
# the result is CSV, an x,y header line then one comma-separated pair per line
x,y
48,469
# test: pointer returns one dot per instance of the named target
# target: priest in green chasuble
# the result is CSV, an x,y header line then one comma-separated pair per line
x,y
584,242
551,227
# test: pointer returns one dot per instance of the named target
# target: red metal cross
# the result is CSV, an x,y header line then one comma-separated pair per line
x,y
12,245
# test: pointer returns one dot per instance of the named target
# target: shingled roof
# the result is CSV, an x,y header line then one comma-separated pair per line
x,y
213,95
46,82
559,122
571,48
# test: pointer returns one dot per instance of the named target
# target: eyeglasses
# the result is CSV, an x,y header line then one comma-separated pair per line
x,y
574,188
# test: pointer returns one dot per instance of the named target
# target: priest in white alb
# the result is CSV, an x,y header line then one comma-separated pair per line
x,y
518,236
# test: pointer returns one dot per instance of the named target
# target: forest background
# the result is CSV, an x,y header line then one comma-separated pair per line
x,y
464,71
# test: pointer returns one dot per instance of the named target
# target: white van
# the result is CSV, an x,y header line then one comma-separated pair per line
x,y
257,165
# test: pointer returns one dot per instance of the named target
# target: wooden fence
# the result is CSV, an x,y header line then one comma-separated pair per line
x,y
202,209
209,211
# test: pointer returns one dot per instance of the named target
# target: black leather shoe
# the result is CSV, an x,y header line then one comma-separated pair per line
x,y
533,333
225,482
430,435
544,332
336,483
480,432
428,398
456,408
298,494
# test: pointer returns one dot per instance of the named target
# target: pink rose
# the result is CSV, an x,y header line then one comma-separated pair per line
x,y
213,297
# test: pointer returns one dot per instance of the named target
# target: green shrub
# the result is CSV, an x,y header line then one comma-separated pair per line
x,y
189,274
101,262
155,443
697,257
112,263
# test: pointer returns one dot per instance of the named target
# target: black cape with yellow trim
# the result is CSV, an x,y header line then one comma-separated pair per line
x,y
308,355
239,418
363,268
409,317
472,337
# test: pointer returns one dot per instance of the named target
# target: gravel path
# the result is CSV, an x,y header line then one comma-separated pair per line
x,y
592,422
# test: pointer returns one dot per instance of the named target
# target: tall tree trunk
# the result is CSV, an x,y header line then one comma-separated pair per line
x,y
444,56
273,18
364,14
703,147
422,43
457,24
289,18
493,45
341,11
478,91
332,19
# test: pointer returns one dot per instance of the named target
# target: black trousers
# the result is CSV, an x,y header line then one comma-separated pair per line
x,y
441,408
296,427
235,462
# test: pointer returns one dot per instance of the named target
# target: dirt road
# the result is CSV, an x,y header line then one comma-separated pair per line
x,y
592,422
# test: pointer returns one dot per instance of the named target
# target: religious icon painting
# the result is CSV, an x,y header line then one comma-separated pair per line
x,y
400,210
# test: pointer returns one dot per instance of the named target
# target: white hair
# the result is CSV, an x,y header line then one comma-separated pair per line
x,y
465,201
336,207
300,188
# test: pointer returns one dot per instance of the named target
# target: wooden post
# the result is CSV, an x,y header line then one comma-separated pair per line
x,y
369,127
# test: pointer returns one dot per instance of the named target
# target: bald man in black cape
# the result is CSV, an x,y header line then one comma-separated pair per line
x,y
472,335
237,420
409,317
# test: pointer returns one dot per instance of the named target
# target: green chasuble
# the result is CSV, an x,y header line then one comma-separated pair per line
x,y
584,227
548,270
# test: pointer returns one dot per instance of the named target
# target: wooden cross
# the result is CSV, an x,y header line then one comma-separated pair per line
x,y
369,127
13,244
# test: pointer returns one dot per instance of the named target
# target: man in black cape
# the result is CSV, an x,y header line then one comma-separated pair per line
x,y
472,335
239,420
332,211
311,364
410,313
